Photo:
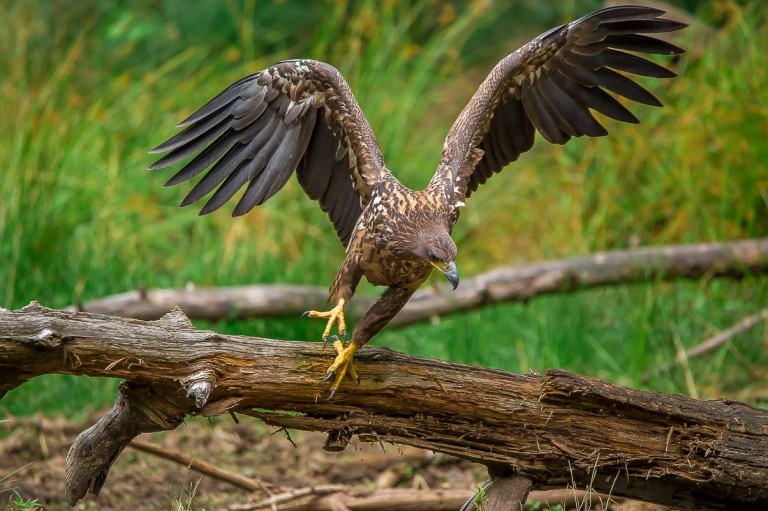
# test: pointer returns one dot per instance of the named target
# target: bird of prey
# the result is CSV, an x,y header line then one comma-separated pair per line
x,y
300,115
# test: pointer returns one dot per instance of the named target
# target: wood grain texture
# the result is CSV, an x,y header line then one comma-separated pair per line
x,y
555,429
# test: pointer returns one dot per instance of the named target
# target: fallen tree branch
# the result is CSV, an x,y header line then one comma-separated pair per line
x,y
736,260
201,466
555,430
333,497
296,493
712,343
403,499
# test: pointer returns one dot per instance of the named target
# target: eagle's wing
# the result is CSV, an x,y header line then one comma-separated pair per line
x,y
549,85
297,114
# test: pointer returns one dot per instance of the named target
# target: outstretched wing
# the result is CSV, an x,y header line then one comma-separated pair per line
x,y
297,114
549,85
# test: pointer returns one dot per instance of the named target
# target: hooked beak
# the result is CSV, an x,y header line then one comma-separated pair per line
x,y
450,272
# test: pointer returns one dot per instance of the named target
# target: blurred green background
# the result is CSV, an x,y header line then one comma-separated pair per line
x,y
88,87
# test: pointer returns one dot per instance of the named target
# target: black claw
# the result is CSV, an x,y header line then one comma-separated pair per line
x,y
330,396
358,380
344,335
331,338
305,314
329,376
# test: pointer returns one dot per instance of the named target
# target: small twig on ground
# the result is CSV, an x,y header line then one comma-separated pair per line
x,y
325,498
713,342
401,499
336,502
203,467
390,476
320,489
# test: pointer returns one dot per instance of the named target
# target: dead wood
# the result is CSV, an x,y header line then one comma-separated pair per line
x,y
337,498
201,466
507,491
714,342
312,491
315,499
721,338
556,430
736,260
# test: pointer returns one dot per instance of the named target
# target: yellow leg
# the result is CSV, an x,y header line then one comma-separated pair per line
x,y
342,366
335,315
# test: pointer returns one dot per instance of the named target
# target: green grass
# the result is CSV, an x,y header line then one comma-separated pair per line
x,y
18,503
89,90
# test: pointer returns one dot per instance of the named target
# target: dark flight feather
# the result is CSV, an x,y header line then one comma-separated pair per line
x,y
295,114
552,83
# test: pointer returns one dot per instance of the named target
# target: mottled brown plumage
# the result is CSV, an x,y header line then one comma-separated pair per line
x,y
301,114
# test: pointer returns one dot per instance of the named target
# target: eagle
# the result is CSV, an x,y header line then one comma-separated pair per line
x,y
300,115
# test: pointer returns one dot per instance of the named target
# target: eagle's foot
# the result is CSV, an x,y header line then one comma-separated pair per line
x,y
335,315
342,366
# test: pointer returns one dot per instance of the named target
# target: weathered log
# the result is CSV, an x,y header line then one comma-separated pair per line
x,y
735,260
555,430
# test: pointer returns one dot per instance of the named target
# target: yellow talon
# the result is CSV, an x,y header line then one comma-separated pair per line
x,y
342,366
335,315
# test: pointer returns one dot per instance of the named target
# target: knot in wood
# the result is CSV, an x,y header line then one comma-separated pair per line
x,y
47,338
199,387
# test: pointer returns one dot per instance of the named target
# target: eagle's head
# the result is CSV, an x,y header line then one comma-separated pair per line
x,y
439,250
